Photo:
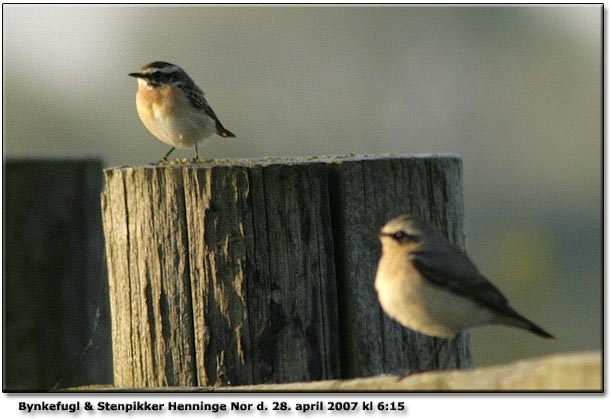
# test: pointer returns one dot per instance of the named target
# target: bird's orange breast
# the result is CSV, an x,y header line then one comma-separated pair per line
x,y
169,115
159,103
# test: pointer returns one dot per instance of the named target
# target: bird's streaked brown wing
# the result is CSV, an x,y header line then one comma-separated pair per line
x,y
197,98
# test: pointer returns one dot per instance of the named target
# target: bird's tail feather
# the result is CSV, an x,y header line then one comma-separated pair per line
x,y
538,331
226,133
220,130
512,318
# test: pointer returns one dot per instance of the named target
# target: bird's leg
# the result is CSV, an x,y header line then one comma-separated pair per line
x,y
165,158
429,365
196,158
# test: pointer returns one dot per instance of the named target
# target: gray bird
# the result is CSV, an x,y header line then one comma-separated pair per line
x,y
426,284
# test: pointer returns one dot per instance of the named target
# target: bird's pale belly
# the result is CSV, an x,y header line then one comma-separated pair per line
x,y
180,130
428,309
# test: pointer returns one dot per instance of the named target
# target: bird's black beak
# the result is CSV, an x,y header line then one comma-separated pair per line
x,y
138,75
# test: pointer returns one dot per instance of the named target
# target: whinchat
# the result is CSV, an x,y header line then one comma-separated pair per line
x,y
430,286
173,108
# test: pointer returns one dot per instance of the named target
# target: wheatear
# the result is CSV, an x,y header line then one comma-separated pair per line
x,y
173,108
426,284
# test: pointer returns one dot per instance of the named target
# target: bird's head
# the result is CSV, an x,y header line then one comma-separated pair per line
x,y
160,74
409,232
403,232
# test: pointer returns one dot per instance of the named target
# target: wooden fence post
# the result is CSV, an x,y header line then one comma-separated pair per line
x,y
247,272
57,326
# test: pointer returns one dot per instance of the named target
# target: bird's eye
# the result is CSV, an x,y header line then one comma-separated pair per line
x,y
402,236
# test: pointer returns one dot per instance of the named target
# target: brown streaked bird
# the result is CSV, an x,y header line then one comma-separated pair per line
x,y
173,108
430,286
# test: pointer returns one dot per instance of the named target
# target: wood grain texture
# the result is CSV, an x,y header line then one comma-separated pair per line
x,y
152,318
57,324
260,271
250,248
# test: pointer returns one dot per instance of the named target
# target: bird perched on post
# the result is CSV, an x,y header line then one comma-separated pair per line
x,y
430,286
173,108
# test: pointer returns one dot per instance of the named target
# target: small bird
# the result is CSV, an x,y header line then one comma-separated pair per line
x,y
173,108
430,286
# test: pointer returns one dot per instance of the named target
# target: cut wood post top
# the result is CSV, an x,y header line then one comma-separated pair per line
x,y
268,161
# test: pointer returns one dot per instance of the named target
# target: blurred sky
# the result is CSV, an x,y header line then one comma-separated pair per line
x,y
515,90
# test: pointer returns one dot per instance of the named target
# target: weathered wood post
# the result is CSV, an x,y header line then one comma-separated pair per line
x,y
259,271
57,326
221,274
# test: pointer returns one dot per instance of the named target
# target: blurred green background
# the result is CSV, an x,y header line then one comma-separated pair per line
x,y
517,91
